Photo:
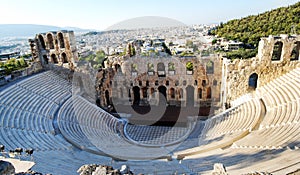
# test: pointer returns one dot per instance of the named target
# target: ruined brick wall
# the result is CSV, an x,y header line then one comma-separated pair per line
x,y
57,47
117,82
267,65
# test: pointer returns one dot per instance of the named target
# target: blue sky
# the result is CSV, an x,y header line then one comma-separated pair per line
x,y
100,14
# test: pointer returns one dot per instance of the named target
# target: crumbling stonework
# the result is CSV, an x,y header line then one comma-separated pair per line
x,y
276,56
56,48
140,80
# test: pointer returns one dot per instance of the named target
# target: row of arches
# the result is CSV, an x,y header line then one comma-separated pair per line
x,y
161,68
277,51
51,42
163,94
54,59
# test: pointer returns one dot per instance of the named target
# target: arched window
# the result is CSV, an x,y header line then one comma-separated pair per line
x,y
253,81
172,93
210,67
64,58
145,92
276,56
61,40
54,59
150,67
161,70
295,51
189,68
171,68
167,83
199,93
50,41
42,41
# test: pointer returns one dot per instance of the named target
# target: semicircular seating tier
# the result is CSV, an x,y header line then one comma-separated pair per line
x,y
261,134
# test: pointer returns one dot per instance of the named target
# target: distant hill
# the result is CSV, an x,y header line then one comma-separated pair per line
x,y
29,30
146,22
284,20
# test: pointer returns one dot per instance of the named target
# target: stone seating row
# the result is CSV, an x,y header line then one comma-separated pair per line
x,y
280,127
225,128
24,120
104,131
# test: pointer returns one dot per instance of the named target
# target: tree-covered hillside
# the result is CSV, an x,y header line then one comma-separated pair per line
x,y
284,20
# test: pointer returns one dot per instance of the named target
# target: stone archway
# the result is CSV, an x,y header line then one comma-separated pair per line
x,y
162,95
161,71
42,41
136,95
277,50
190,90
50,41
253,81
54,59
64,57
61,40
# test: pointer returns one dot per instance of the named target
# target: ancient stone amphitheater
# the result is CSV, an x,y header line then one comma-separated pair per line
x,y
261,133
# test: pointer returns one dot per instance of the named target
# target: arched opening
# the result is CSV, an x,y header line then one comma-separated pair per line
x,y
208,93
253,81
46,60
118,68
172,93
42,41
136,95
196,83
162,95
64,57
54,59
107,98
199,93
150,67
61,40
50,41
161,70
295,51
144,92
276,56
180,93
167,83
210,67
190,95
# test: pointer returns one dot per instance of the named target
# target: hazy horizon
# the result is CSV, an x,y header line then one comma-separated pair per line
x,y
99,15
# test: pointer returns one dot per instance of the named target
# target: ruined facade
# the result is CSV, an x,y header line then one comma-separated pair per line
x,y
179,81
276,55
55,48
